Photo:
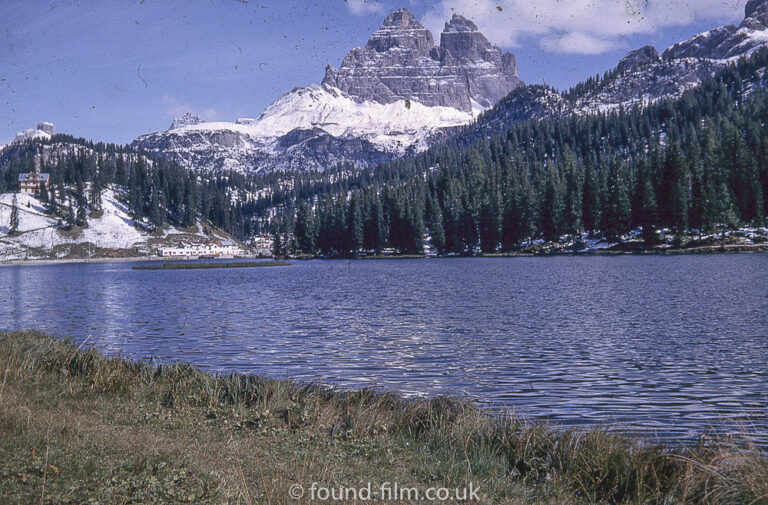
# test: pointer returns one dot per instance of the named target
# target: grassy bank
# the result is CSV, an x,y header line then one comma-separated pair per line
x,y
76,427
207,266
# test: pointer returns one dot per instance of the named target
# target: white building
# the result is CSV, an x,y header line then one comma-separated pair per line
x,y
211,249
33,182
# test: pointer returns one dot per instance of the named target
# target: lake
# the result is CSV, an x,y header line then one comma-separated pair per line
x,y
666,346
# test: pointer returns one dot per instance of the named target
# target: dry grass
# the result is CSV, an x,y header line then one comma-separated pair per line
x,y
76,427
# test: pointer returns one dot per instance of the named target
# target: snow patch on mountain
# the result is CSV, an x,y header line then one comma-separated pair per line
x,y
287,133
44,130
391,127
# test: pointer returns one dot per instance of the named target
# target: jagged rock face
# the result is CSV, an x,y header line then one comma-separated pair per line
x,y
728,41
393,97
638,58
641,77
757,9
401,31
46,127
400,61
188,119
43,130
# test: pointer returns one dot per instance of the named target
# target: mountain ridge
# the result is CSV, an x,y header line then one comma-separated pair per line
x,y
388,99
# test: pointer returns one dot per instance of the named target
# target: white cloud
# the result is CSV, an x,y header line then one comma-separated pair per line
x,y
363,7
576,43
580,26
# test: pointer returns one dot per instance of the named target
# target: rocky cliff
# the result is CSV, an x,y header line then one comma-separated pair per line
x,y
641,77
401,61
390,98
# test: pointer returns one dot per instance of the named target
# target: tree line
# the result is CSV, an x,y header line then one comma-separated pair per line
x,y
699,163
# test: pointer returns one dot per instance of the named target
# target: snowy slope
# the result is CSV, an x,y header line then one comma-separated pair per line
x,y
307,128
391,127
39,236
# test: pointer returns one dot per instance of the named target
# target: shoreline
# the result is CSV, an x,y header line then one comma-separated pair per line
x,y
72,261
79,425
703,250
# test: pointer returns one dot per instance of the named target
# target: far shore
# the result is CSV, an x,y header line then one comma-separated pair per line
x,y
718,249
67,261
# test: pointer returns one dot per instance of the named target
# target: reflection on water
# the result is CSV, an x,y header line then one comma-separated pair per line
x,y
663,345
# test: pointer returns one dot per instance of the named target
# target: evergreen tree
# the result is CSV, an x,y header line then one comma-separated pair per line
x,y
645,210
71,220
591,201
13,225
435,225
354,224
490,223
304,230
617,211
44,196
96,189
551,220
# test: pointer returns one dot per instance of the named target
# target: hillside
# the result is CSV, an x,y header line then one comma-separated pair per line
x,y
111,232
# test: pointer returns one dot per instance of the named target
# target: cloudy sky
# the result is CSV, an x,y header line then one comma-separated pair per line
x,y
114,69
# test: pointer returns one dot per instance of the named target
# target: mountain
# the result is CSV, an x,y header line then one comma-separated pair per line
x,y
43,130
391,98
642,77
400,61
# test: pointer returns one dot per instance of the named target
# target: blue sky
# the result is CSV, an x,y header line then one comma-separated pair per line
x,y
112,70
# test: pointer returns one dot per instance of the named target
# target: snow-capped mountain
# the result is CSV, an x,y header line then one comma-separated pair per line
x,y
387,99
306,128
642,76
43,130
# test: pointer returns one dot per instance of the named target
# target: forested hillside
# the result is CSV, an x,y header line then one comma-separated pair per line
x,y
695,163
699,162
157,192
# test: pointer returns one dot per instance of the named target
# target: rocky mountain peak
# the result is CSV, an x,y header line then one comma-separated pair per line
x,y
459,23
401,30
188,119
43,129
755,7
401,61
756,13
728,41
402,19
45,126
638,58
463,41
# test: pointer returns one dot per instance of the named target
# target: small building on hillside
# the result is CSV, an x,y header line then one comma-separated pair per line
x,y
34,182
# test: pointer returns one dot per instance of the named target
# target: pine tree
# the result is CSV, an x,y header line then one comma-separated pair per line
x,y
490,223
551,220
96,189
304,230
81,217
591,201
617,211
44,196
354,224
435,224
13,225
71,217
572,211
645,209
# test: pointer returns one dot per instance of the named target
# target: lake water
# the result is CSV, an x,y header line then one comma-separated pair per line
x,y
666,346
